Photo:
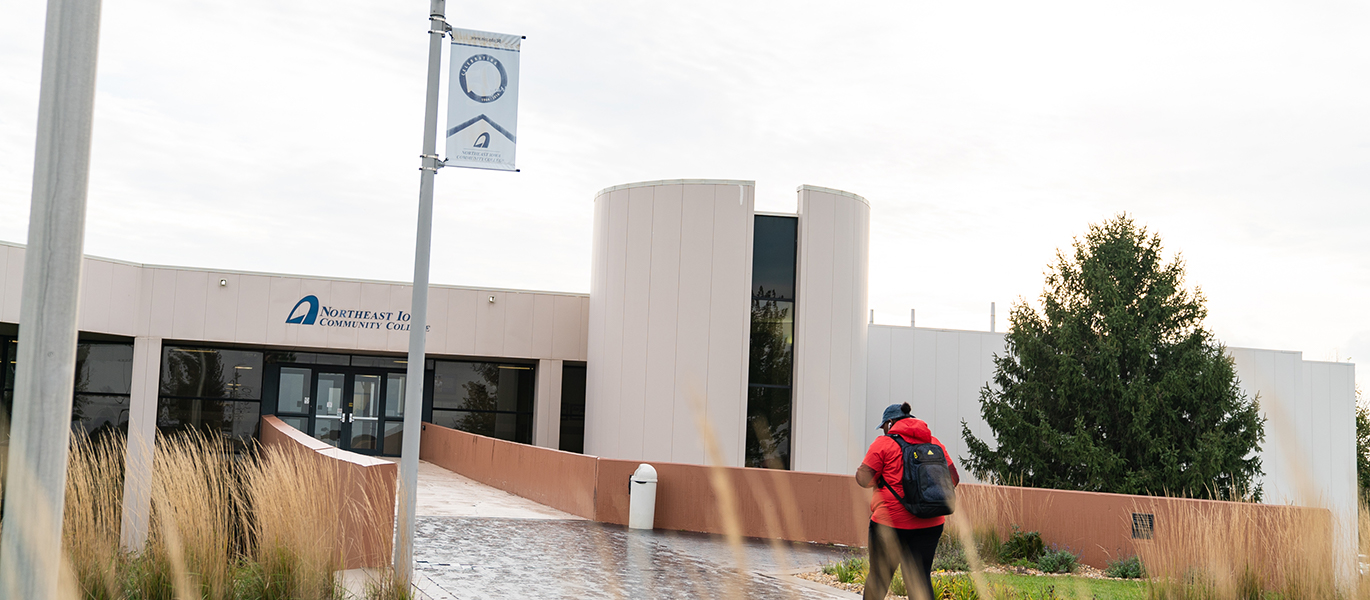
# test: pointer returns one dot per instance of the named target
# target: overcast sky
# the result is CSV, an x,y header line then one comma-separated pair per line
x,y
284,137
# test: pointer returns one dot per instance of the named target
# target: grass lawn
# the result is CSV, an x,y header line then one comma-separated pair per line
x,y
1034,587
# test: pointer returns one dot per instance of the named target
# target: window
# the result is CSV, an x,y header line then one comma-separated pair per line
x,y
216,390
486,398
770,368
572,438
104,378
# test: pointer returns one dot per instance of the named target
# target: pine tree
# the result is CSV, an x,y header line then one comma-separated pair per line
x,y
1115,386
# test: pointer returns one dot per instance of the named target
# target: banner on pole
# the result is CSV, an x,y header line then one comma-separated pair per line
x,y
483,100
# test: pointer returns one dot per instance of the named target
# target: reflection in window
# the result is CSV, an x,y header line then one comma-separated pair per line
x,y
211,373
770,368
214,390
103,380
234,420
490,399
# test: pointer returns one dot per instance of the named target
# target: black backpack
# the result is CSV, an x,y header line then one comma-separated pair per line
x,y
927,480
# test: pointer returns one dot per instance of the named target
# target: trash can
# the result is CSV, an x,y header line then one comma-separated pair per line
x,y
642,497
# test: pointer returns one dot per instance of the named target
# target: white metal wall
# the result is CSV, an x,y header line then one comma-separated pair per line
x,y
830,331
669,316
1309,455
939,372
178,303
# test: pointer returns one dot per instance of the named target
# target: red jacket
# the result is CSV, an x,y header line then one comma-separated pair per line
x,y
886,458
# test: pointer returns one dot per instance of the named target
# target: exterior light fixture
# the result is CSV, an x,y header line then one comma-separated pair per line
x,y
492,299
223,282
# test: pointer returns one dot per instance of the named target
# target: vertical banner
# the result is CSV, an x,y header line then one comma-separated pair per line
x,y
483,100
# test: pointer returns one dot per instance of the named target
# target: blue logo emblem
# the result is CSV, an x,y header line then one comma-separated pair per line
x,y
482,140
309,316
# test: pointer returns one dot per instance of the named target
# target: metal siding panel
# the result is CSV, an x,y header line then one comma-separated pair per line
x,y
595,350
815,338
662,318
163,303
254,300
610,391
315,335
1319,380
283,293
842,293
376,296
96,279
566,328
544,325
945,410
490,324
518,325
14,277
436,340
188,316
692,325
221,307
461,321
125,282
729,317
636,292
345,296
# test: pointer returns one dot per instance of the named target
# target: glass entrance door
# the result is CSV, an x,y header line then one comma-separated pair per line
x,y
360,409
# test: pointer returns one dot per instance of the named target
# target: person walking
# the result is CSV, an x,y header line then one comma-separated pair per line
x,y
897,537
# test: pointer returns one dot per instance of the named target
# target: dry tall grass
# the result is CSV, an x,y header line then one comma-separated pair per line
x,y
223,527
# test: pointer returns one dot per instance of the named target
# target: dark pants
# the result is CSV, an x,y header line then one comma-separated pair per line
x,y
911,548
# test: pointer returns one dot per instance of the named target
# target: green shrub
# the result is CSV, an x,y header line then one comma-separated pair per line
x,y
1129,567
988,545
849,570
1022,545
897,586
950,555
956,587
1057,560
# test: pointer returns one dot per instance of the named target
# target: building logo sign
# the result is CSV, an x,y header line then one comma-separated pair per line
x,y
308,311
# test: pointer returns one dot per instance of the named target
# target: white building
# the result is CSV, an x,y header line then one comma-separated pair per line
x,y
708,325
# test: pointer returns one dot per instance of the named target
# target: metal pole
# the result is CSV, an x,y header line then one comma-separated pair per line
x,y
31,545
991,317
418,321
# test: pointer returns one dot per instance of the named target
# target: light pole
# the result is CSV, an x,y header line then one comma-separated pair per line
x,y
418,321
31,545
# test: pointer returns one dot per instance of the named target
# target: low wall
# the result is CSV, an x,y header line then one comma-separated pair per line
x,y
365,492
833,509
562,480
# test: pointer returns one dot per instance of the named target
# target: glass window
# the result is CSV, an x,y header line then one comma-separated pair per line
x,y
293,394
306,358
772,343
770,365
235,420
768,427
98,415
394,437
773,256
572,437
379,361
395,389
211,373
104,368
489,399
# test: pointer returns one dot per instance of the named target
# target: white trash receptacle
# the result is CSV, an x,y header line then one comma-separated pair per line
x,y
642,498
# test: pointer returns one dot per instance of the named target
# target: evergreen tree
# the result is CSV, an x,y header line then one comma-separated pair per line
x,y
1115,386
1362,447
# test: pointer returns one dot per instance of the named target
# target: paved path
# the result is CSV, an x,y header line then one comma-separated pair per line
x,y
476,542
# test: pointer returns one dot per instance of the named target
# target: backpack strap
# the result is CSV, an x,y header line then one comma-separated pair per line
x,y
903,446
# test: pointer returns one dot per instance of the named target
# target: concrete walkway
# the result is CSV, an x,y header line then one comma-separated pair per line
x,y
443,493
477,542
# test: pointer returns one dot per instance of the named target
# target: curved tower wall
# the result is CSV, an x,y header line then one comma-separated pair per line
x,y
669,320
830,331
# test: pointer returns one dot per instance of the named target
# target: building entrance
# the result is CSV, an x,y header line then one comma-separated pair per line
x,y
356,409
